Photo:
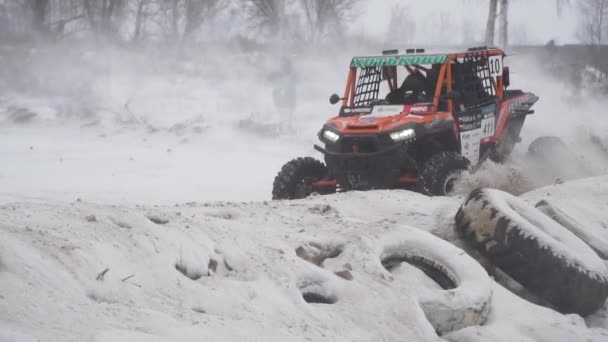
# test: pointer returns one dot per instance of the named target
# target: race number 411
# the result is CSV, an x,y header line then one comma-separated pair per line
x,y
495,64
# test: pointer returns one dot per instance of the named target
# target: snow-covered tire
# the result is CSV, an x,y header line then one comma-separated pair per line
x,y
295,179
466,298
591,235
539,253
438,174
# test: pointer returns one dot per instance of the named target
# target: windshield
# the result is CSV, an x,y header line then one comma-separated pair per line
x,y
396,84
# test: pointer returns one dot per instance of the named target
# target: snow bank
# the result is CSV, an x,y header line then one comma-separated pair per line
x,y
53,259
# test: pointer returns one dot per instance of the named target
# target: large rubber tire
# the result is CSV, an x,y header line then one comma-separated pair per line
x,y
546,258
547,147
595,237
467,290
554,160
439,173
295,178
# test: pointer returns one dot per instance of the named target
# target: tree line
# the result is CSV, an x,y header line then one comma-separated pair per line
x,y
310,21
174,20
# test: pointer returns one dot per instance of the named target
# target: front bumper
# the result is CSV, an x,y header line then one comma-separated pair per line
x,y
372,170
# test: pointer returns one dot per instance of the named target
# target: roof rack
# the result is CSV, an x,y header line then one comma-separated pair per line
x,y
390,52
408,51
481,48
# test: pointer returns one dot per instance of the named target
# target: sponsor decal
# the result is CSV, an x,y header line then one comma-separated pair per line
x,y
380,61
387,110
419,109
469,145
356,110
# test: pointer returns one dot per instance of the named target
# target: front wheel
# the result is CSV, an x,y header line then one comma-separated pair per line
x,y
296,178
440,173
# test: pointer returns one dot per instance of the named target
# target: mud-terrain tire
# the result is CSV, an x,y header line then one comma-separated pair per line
x,y
466,294
295,179
438,174
595,237
546,258
547,147
555,160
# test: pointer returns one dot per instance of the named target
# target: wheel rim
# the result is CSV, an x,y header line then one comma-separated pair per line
x,y
450,182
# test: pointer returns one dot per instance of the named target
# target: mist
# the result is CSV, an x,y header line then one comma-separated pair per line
x,y
106,116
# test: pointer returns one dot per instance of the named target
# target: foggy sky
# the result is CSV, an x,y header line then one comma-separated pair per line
x,y
531,21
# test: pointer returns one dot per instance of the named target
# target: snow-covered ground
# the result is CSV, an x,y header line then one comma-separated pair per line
x,y
121,168
51,255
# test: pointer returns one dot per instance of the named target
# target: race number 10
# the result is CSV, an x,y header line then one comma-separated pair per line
x,y
495,64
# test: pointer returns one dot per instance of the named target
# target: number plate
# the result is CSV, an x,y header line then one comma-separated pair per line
x,y
495,64
488,127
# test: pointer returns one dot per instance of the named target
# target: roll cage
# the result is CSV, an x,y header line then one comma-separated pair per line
x,y
477,75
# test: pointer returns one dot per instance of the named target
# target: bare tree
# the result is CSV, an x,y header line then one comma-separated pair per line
x,y
504,20
102,13
268,16
593,21
267,13
40,10
491,23
325,16
504,23
196,12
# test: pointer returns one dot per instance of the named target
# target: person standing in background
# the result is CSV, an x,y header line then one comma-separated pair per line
x,y
284,92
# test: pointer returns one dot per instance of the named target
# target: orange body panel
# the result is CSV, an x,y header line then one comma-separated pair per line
x,y
353,125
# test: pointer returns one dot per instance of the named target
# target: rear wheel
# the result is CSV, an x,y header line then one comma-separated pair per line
x,y
296,178
547,148
440,173
555,161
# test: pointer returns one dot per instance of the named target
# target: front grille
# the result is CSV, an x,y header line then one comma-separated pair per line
x,y
359,144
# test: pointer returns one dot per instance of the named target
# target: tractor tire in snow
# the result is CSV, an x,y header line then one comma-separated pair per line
x,y
595,237
546,258
467,290
295,179
438,174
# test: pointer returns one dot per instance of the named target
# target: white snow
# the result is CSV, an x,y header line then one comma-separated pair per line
x,y
51,254
83,177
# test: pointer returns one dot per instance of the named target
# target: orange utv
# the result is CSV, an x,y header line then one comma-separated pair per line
x,y
412,120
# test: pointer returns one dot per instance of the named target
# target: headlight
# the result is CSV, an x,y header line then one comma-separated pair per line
x,y
405,134
331,136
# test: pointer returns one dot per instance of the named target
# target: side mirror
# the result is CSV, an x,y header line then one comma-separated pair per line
x,y
452,95
506,77
335,98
